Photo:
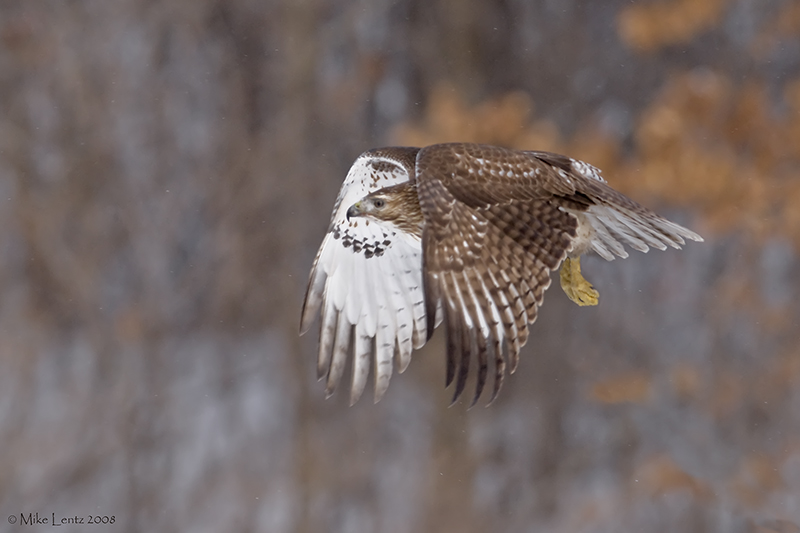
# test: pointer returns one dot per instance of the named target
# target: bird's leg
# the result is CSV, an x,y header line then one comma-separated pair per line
x,y
575,286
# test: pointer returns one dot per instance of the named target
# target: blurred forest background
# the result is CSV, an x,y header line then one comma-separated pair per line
x,y
167,171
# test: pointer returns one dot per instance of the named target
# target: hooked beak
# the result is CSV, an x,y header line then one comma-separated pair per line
x,y
354,210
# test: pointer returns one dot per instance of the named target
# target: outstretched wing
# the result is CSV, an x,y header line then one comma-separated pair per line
x,y
497,222
492,236
367,282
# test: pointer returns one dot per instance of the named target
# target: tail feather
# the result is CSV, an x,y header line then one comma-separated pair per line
x,y
640,229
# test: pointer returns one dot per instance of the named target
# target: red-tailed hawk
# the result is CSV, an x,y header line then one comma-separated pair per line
x,y
466,234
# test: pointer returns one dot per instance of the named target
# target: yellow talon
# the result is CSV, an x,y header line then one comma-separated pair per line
x,y
575,286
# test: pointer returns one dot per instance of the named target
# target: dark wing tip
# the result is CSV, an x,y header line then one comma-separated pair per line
x,y
467,347
483,367
499,374
305,318
314,294
453,348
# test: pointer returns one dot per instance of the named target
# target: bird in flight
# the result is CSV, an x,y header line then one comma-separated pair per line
x,y
464,234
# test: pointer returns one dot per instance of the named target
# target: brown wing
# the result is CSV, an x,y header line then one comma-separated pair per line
x,y
497,221
495,227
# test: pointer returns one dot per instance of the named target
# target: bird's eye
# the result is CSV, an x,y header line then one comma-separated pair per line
x,y
379,203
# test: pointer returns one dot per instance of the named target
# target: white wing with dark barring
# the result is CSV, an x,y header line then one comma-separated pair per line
x,y
367,283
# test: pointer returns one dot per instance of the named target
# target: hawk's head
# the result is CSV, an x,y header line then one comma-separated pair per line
x,y
397,205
